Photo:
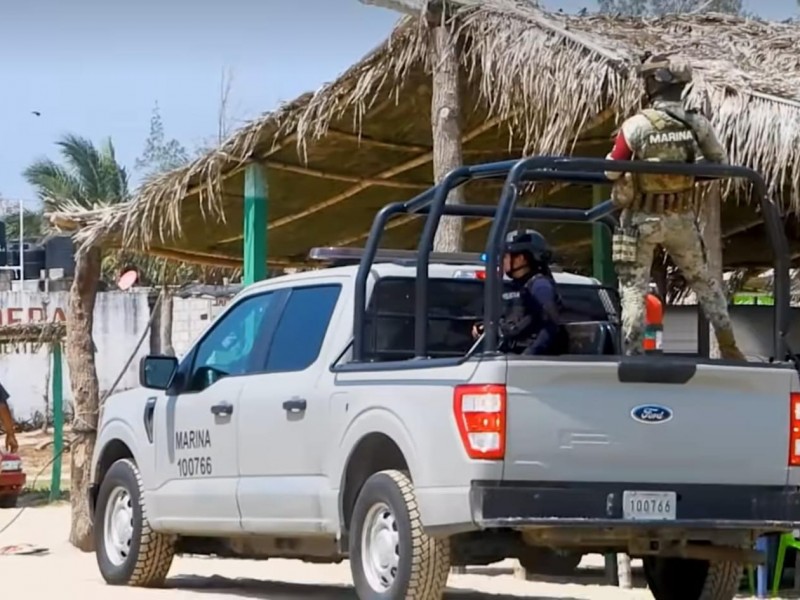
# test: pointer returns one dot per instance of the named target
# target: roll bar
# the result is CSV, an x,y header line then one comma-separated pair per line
x,y
432,203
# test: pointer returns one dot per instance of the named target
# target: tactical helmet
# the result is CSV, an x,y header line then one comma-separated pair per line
x,y
660,72
530,242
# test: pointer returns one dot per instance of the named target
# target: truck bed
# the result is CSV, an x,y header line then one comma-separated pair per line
x,y
644,439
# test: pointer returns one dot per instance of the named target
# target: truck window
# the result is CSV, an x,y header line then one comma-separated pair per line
x,y
227,348
455,305
302,328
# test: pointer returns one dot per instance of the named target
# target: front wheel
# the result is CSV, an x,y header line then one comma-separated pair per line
x,y
129,552
685,579
545,561
391,557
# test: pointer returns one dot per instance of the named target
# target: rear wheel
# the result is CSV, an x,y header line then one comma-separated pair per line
x,y
391,557
684,579
546,561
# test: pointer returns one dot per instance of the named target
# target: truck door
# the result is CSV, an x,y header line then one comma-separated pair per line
x,y
195,431
284,422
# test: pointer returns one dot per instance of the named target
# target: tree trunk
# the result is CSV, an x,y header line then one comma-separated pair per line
x,y
446,125
80,351
155,323
165,322
712,237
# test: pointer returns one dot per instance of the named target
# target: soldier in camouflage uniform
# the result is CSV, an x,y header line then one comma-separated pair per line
x,y
660,209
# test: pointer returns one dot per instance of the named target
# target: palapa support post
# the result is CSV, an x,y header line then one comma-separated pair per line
x,y
57,390
255,224
446,126
602,265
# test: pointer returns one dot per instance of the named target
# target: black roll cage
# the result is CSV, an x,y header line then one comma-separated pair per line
x,y
590,171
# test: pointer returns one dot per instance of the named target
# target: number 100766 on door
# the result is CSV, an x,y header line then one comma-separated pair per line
x,y
194,466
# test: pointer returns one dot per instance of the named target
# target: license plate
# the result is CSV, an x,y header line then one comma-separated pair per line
x,y
10,465
649,506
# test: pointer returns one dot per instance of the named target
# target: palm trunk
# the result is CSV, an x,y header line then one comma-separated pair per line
x,y
165,322
80,353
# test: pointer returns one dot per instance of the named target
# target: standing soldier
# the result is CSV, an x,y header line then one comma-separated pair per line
x,y
660,209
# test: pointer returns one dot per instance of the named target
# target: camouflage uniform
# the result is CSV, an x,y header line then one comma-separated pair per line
x,y
660,209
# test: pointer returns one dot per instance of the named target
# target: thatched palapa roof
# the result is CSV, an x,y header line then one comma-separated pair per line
x,y
37,333
534,83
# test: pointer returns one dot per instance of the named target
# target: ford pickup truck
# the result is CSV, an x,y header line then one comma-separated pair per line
x,y
347,414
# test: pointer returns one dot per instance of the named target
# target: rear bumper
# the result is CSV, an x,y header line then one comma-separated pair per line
x,y
512,504
11,482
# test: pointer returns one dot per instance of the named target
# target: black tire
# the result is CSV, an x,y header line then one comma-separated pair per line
x,y
150,554
684,579
546,561
9,501
423,561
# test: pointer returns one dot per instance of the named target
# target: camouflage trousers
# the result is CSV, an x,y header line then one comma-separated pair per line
x,y
679,234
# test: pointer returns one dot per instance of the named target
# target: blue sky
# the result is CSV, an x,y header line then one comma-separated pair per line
x,y
97,68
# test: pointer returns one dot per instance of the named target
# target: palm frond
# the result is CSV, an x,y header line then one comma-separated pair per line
x,y
54,184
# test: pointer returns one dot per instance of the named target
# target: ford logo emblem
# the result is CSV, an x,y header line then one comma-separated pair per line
x,y
651,414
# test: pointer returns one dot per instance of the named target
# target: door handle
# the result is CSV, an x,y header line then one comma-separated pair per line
x,y
295,405
223,409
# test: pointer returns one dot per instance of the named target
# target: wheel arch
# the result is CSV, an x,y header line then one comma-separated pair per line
x,y
375,451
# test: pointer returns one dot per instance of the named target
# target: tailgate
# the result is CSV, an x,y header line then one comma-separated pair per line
x,y
577,422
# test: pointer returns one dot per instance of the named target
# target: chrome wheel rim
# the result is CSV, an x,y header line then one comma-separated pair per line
x,y
118,526
380,547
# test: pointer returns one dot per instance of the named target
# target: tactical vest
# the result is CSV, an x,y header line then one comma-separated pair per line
x,y
668,140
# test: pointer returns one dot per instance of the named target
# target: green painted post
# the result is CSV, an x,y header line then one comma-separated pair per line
x,y
58,420
255,224
602,265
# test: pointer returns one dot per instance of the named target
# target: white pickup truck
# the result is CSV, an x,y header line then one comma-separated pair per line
x,y
278,436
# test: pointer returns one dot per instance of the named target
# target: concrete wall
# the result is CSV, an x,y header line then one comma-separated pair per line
x,y
119,320
753,326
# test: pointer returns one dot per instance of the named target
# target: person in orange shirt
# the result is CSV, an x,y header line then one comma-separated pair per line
x,y
654,321
7,421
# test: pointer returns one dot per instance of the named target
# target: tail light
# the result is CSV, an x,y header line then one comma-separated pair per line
x,y
794,430
480,412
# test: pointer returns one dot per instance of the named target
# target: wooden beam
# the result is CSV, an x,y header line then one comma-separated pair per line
x,y
363,140
278,166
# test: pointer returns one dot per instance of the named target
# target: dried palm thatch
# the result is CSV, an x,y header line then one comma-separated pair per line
x,y
533,82
33,334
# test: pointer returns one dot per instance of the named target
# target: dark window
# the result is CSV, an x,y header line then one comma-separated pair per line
x,y
455,305
302,328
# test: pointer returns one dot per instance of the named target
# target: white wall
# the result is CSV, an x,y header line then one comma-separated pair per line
x,y
119,320
191,317
752,326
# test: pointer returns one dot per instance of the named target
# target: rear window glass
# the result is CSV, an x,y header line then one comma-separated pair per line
x,y
455,305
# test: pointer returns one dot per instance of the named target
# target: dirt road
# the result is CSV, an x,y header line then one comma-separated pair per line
x,y
69,573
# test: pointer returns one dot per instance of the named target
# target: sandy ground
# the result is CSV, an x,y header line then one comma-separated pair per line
x,y
66,571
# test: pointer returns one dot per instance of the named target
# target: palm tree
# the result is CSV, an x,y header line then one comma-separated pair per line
x,y
89,177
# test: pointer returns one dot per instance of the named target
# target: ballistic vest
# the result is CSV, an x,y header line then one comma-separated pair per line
x,y
665,139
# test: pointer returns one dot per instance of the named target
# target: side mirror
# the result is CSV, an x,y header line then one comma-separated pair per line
x,y
156,372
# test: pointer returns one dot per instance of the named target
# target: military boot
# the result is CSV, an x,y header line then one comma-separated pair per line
x,y
727,345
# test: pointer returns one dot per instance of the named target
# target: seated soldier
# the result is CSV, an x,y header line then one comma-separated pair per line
x,y
531,322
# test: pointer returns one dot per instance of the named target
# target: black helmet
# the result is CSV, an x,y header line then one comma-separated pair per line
x,y
530,242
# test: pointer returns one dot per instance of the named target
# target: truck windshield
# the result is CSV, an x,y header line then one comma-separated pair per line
x,y
455,306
